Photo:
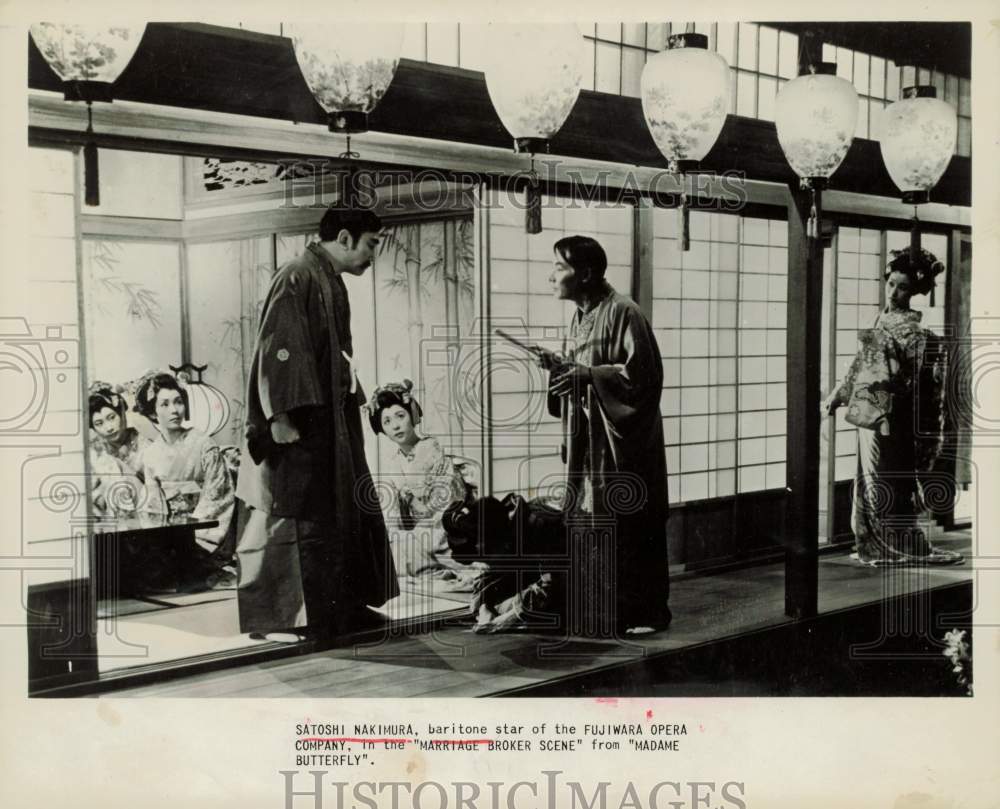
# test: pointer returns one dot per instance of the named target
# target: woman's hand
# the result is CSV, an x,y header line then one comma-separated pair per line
x,y
570,378
830,404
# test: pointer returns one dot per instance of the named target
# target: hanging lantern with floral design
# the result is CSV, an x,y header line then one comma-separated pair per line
x,y
685,99
816,116
88,59
917,141
348,68
207,405
533,76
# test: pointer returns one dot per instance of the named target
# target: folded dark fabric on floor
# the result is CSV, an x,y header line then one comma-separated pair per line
x,y
521,541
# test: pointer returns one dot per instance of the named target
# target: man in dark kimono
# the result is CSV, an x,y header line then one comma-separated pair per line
x,y
607,391
314,551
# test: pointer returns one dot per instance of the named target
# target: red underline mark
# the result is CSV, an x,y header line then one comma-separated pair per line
x,y
395,741
349,739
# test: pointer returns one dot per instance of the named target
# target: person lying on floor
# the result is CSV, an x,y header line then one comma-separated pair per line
x,y
522,546
421,482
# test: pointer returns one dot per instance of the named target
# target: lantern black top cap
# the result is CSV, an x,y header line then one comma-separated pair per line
x,y
347,121
819,69
920,91
82,90
691,40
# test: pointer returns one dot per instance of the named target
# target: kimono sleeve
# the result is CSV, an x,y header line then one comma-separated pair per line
x,y
287,376
217,498
931,372
442,483
629,389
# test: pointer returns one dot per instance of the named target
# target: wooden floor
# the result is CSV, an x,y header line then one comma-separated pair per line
x,y
451,661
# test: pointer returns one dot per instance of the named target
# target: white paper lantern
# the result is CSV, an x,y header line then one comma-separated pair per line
x,y
348,67
207,405
685,99
917,141
533,76
816,115
87,53
89,59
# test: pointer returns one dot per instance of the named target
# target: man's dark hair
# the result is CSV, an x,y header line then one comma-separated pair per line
x,y
354,220
583,253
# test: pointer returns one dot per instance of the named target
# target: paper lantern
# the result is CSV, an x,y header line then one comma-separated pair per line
x,y
208,406
816,116
533,77
348,67
685,99
88,59
917,141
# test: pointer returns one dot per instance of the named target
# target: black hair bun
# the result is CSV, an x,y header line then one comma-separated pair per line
x,y
922,270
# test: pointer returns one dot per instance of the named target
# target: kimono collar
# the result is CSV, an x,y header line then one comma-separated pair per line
x,y
906,316
324,258
603,293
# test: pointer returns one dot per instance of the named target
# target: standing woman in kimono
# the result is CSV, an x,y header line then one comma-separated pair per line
x,y
185,472
607,392
894,394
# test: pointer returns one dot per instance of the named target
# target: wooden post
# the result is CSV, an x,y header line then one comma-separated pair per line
x,y
805,287
642,257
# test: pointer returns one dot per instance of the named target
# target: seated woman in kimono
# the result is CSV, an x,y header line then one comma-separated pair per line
x,y
115,453
185,474
421,482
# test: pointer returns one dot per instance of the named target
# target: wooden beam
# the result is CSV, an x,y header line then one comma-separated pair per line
x,y
805,287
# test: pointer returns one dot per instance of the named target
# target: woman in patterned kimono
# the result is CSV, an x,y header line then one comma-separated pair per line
x,y
115,453
607,390
421,482
185,473
894,394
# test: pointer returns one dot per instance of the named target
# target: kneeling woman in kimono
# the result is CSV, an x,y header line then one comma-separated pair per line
x,y
185,473
421,482
115,453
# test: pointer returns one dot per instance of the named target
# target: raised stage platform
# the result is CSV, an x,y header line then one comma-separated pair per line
x,y
878,633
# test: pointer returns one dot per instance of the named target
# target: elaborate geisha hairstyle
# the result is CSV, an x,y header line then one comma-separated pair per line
x,y
151,384
394,393
921,271
102,395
